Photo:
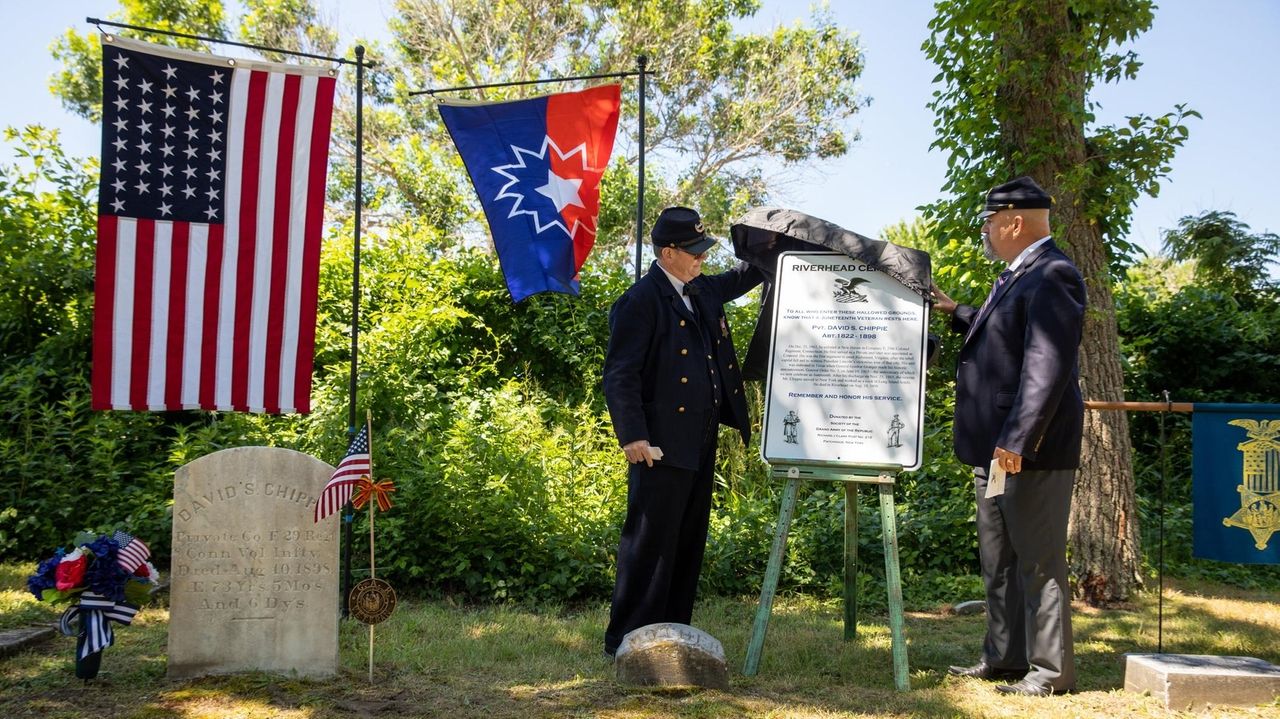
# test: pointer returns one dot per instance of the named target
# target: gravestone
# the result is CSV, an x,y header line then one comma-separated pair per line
x,y
973,606
671,655
1190,682
254,580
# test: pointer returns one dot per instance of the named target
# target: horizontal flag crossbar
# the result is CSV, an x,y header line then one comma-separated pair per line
x,y
264,48
602,76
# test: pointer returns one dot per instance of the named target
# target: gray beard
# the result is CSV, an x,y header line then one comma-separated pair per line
x,y
988,250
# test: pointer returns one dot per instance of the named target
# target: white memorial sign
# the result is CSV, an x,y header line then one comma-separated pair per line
x,y
846,365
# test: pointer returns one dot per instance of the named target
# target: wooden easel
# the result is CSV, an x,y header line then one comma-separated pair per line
x,y
883,478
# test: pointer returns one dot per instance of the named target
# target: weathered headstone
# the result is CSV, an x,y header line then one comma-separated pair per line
x,y
1188,682
671,655
254,582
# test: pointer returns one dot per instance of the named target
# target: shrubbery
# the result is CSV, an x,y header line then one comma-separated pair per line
x,y
490,419
1202,344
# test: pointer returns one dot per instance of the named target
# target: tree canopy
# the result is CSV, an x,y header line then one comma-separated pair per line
x,y
1014,99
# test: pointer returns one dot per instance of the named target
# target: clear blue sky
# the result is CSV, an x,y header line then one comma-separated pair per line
x,y
1220,57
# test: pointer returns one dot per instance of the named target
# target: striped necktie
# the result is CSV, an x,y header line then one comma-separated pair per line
x,y
986,306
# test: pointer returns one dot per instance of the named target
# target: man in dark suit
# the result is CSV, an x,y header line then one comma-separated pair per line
x,y
671,377
1019,413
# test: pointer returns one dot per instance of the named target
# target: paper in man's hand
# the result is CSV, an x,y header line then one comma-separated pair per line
x,y
995,480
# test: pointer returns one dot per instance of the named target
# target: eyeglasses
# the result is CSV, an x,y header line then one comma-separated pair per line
x,y
694,255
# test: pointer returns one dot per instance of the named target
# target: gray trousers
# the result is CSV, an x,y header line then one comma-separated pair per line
x,y
1022,541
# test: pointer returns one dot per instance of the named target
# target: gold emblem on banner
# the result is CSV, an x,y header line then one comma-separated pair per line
x,y
1260,485
372,601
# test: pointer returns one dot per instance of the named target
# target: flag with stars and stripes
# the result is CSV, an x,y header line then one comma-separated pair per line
x,y
132,553
210,213
338,490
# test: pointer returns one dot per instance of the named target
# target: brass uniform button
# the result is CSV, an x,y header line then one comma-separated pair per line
x,y
684,352
682,323
684,380
680,409
730,365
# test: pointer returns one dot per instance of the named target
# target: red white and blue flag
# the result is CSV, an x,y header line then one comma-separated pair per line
x,y
132,553
536,165
338,490
210,213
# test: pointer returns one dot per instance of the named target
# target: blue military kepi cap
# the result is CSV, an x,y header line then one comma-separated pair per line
x,y
1020,194
682,228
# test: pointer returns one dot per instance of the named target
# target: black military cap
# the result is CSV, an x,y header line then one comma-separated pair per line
x,y
1020,194
681,227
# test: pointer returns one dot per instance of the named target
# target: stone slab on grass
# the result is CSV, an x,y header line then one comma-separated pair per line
x,y
13,641
1194,681
671,655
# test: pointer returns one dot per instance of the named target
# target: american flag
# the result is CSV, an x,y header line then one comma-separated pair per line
x,y
340,486
209,224
133,552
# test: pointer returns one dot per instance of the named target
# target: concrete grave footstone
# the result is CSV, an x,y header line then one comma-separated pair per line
x,y
1188,682
13,641
254,580
973,606
671,655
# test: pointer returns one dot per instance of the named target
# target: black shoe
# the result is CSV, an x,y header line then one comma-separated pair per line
x,y
982,670
610,654
1027,689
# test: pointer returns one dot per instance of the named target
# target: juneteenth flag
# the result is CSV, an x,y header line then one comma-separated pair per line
x,y
209,223
536,166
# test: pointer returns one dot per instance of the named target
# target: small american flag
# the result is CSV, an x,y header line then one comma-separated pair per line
x,y
133,552
210,213
342,484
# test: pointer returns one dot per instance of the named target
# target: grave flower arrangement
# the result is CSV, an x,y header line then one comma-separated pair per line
x,y
104,580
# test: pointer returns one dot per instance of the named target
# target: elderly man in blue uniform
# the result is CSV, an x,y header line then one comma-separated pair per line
x,y
671,377
1018,422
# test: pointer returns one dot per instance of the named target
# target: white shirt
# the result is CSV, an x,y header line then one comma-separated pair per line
x,y
676,283
1030,248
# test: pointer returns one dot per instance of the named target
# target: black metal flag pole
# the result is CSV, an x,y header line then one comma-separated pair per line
x,y
347,514
641,62
1164,472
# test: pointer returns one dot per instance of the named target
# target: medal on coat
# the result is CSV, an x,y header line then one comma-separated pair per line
x,y
724,327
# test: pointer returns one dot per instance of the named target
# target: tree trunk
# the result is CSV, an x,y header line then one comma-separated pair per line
x,y
1045,139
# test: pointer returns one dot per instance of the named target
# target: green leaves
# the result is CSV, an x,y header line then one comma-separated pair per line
x,y
79,83
1005,110
1227,255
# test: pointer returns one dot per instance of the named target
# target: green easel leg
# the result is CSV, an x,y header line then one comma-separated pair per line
x,y
771,573
889,522
850,561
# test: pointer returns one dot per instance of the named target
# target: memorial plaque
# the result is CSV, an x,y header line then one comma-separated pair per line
x,y
254,580
846,366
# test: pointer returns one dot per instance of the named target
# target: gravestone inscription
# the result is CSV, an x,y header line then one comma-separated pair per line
x,y
254,581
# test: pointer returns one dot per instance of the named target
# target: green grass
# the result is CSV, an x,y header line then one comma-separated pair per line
x,y
437,659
